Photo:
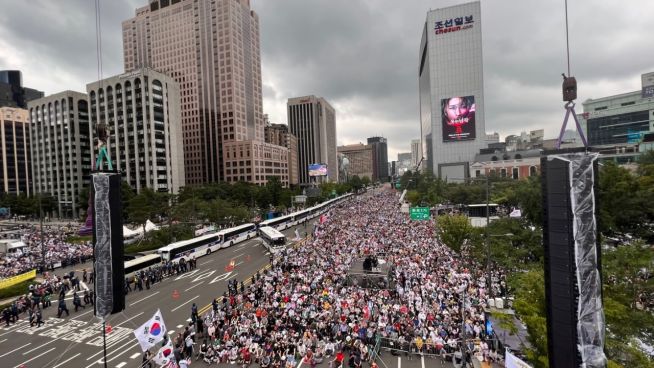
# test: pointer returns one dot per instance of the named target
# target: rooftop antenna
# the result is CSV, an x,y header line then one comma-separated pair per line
x,y
569,91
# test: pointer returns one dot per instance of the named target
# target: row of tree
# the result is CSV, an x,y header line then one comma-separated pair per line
x,y
625,206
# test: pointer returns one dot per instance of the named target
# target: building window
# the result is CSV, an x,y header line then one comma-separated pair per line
x,y
477,173
515,173
532,171
503,173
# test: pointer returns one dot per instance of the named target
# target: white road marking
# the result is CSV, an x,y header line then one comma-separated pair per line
x,y
204,263
399,362
16,326
123,351
3,340
100,361
134,356
180,326
29,343
38,347
171,332
84,313
121,365
194,286
66,361
127,320
239,263
186,302
140,300
37,356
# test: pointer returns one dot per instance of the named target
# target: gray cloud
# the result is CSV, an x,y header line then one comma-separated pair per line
x,y
362,56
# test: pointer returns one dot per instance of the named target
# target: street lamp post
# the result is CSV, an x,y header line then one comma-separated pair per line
x,y
488,257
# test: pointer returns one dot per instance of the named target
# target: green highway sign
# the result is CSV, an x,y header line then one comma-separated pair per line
x,y
419,213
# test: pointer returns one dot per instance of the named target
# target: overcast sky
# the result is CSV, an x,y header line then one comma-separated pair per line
x,y
362,56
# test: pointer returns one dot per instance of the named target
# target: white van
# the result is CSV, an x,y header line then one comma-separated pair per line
x,y
12,247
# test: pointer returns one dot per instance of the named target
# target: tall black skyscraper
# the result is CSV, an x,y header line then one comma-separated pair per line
x,y
12,92
379,158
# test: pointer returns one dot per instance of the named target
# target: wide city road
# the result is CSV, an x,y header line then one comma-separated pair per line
x,y
76,341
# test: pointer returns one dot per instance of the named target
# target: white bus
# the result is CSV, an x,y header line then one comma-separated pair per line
x,y
205,244
12,247
237,234
272,239
141,263
279,223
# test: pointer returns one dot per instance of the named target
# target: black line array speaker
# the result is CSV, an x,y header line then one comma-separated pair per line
x,y
575,318
108,250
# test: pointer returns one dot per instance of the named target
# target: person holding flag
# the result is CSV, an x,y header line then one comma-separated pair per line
x,y
151,332
165,355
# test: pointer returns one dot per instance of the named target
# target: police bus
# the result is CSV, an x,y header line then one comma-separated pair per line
x,y
272,239
205,244
141,263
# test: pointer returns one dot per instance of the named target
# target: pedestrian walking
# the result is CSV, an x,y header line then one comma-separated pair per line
x,y
77,302
62,308
39,318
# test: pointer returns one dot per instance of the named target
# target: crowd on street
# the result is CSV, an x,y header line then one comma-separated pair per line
x,y
303,308
58,252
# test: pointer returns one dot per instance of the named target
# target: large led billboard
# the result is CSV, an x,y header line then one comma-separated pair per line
x,y
317,170
458,118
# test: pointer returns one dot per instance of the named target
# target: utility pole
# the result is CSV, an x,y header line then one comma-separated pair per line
x,y
488,249
42,242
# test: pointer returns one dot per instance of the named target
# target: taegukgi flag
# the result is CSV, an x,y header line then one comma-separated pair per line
x,y
165,354
151,332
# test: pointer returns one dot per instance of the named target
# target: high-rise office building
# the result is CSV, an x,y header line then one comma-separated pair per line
x,y
141,112
279,134
15,169
360,160
416,152
313,121
60,148
12,92
622,119
379,158
211,48
451,89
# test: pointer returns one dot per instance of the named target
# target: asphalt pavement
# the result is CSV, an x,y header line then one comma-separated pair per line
x,y
76,341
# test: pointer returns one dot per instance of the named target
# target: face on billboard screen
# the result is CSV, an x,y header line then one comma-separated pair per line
x,y
458,118
317,170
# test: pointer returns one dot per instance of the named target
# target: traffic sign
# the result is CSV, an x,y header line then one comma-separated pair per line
x,y
419,213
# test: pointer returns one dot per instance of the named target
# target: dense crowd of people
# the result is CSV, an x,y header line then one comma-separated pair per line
x,y
58,252
303,307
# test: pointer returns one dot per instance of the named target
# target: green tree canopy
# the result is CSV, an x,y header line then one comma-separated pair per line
x,y
454,231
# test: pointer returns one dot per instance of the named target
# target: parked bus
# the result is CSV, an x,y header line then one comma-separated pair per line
x,y
205,244
237,234
192,248
142,263
272,239
12,247
279,223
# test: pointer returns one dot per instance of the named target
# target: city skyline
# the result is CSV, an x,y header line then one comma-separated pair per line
x,y
373,91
